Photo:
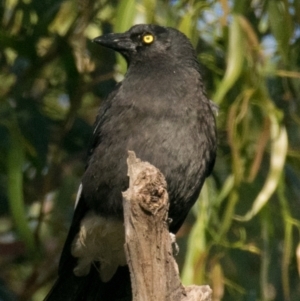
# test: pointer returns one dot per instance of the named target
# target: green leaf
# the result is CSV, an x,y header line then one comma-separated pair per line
x,y
280,23
15,161
125,15
234,61
279,147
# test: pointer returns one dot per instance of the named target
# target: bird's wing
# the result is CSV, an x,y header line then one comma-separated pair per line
x,y
96,139
67,261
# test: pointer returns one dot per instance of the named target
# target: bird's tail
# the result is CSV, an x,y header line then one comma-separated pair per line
x,y
69,287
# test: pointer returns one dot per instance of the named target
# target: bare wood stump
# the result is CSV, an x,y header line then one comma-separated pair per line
x,y
148,247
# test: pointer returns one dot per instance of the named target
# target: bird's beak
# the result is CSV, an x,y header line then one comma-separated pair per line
x,y
116,41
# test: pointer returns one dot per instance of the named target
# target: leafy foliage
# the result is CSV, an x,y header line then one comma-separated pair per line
x,y
243,236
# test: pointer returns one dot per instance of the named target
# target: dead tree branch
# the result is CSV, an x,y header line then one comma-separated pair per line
x,y
148,247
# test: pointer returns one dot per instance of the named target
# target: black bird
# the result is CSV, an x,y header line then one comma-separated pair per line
x,y
160,111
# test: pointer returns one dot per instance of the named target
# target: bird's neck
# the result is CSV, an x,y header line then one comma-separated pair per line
x,y
158,68
154,86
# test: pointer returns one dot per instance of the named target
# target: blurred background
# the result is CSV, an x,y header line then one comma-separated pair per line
x,y
242,238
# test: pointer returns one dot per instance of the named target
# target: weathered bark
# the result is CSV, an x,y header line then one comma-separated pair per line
x,y
148,247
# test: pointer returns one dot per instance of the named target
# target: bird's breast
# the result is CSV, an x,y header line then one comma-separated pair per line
x,y
167,125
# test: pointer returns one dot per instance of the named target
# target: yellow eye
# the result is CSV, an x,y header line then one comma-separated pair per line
x,y
148,38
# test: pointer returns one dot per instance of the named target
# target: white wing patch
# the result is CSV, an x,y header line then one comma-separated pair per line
x,y
78,195
99,239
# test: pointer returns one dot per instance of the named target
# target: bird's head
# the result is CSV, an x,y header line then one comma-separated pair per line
x,y
149,41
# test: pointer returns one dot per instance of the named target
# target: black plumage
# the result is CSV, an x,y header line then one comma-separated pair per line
x,y
160,111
